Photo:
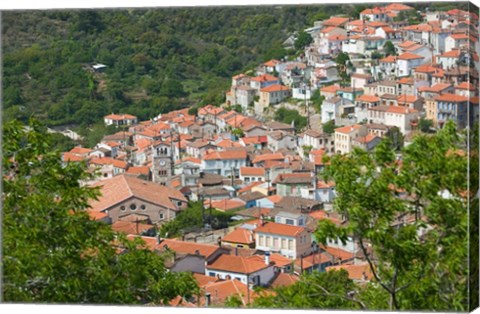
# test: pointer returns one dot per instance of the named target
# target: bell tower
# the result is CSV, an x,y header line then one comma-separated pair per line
x,y
162,163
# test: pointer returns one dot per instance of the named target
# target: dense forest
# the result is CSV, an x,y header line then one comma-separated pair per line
x,y
157,59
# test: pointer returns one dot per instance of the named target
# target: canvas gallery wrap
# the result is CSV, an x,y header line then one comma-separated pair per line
x,y
277,156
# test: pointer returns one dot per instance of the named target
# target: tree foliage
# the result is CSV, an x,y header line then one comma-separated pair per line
x,y
291,115
303,40
327,290
421,265
52,251
389,49
329,127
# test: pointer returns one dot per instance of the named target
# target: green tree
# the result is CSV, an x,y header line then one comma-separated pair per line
x,y
421,265
327,290
425,125
396,138
291,115
317,100
389,49
52,251
329,127
303,39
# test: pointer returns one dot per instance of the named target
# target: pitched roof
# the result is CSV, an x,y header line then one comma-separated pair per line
x,y
220,291
139,170
264,78
120,117
72,157
400,110
123,187
335,21
226,155
338,253
129,227
109,161
367,98
389,59
271,63
398,7
454,53
185,247
274,88
466,86
240,236
264,157
80,151
348,129
330,89
226,204
284,280
252,171
279,229
293,178
355,272
402,99
409,56
238,264
451,98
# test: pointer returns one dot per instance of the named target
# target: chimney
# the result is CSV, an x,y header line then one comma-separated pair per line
x,y
197,252
236,251
262,220
208,299
267,258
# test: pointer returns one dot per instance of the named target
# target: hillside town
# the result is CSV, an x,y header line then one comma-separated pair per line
x,y
396,80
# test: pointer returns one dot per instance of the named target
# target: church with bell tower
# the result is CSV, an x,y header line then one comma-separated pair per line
x,y
162,163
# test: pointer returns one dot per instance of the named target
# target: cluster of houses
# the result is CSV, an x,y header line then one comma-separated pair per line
x,y
269,174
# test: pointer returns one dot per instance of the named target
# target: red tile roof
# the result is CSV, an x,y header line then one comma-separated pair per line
x,y
109,161
466,86
274,88
389,59
284,280
337,253
398,7
348,129
72,157
265,78
80,151
451,98
226,155
280,229
271,63
400,110
409,56
238,264
367,98
139,170
252,171
264,157
454,53
361,272
123,187
129,227
185,247
335,21
225,204
240,236
120,117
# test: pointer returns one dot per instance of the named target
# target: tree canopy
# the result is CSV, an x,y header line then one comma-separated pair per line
x,y
53,251
421,265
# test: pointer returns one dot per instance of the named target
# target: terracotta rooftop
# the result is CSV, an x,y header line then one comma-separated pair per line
x,y
284,280
367,98
123,187
109,161
360,272
129,227
280,229
185,247
275,88
240,236
226,155
348,129
238,264
451,98
409,56
120,117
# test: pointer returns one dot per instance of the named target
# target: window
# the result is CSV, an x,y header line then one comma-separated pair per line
x,y
284,244
211,274
276,243
122,208
268,241
290,244
261,240
179,203
143,207
289,222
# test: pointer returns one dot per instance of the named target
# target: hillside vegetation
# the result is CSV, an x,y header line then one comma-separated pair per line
x,y
157,59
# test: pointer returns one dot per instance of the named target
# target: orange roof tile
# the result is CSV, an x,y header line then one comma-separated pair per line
x,y
274,88
407,99
451,98
123,187
375,10
80,151
335,21
119,117
348,129
398,7
225,204
275,198
238,264
280,229
400,110
389,59
203,280
337,253
264,157
129,227
454,53
466,86
240,236
220,291
109,161
409,56
367,98
226,155
185,247
355,272
284,280
271,63
252,171
139,170
249,187
330,89
72,157
264,78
